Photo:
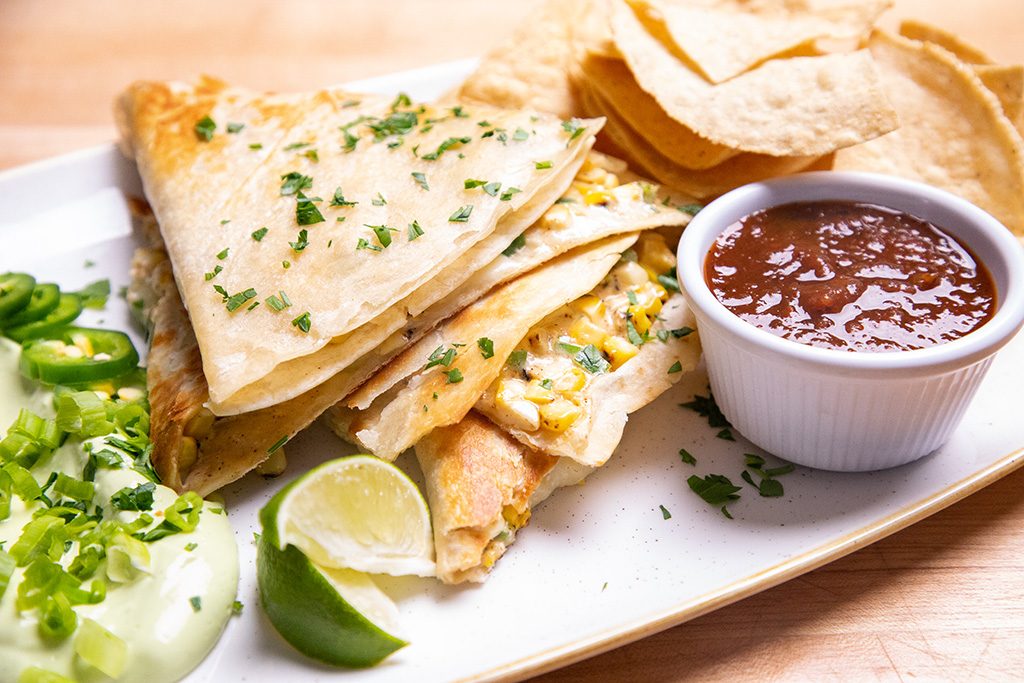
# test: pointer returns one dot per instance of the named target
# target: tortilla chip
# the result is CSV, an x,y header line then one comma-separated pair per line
x,y
211,196
531,69
954,135
803,106
421,391
621,98
618,137
1006,81
726,38
916,29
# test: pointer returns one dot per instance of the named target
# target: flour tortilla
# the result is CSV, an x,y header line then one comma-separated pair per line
x,y
421,398
209,197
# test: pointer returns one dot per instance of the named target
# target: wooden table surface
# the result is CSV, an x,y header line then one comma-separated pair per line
x,y
939,601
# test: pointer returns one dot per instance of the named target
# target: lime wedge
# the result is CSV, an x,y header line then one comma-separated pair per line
x,y
358,512
320,534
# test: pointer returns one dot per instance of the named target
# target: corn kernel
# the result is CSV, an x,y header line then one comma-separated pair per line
x,y
591,173
619,350
590,305
572,379
559,415
510,389
519,413
188,456
558,217
275,464
653,252
598,197
200,424
537,393
586,332
641,323
630,274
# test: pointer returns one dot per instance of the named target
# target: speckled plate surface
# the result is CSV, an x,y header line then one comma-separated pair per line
x,y
631,552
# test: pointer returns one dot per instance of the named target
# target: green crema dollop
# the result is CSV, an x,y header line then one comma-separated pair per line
x,y
104,573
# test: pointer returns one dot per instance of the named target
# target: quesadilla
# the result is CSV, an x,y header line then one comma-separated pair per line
x,y
559,373
292,221
482,485
197,450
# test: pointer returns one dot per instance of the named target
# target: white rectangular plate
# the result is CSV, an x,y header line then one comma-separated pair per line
x,y
599,565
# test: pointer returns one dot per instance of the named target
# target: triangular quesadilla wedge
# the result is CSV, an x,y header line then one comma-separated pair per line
x,y
597,205
194,449
294,220
481,485
562,383
436,381
570,384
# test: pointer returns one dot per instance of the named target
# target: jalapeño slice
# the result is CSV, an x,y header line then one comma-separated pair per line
x,y
15,292
69,306
43,300
78,354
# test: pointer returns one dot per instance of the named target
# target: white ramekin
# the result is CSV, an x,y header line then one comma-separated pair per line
x,y
842,410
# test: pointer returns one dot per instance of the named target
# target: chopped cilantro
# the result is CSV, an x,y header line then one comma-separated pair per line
x,y
507,194
339,199
303,322
279,303
236,301
235,127
517,244
204,128
686,457
591,360
196,602
454,376
486,347
414,230
517,358
691,209
363,244
675,367
520,134
139,498
715,489
421,180
379,201
295,182
665,514
445,146
461,214
301,242
223,255
306,212
383,233
259,234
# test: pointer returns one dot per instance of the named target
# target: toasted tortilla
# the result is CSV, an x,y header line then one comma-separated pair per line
x,y
955,134
418,391
362,153
479,486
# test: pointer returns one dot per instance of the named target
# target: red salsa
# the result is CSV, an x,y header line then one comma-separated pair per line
x,y
849,276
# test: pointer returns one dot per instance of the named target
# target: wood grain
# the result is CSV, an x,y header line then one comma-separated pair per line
x,y
939,601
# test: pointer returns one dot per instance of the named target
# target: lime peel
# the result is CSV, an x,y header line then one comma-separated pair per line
x,y
320,533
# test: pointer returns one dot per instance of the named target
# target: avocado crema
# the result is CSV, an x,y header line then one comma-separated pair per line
x,y
104,573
